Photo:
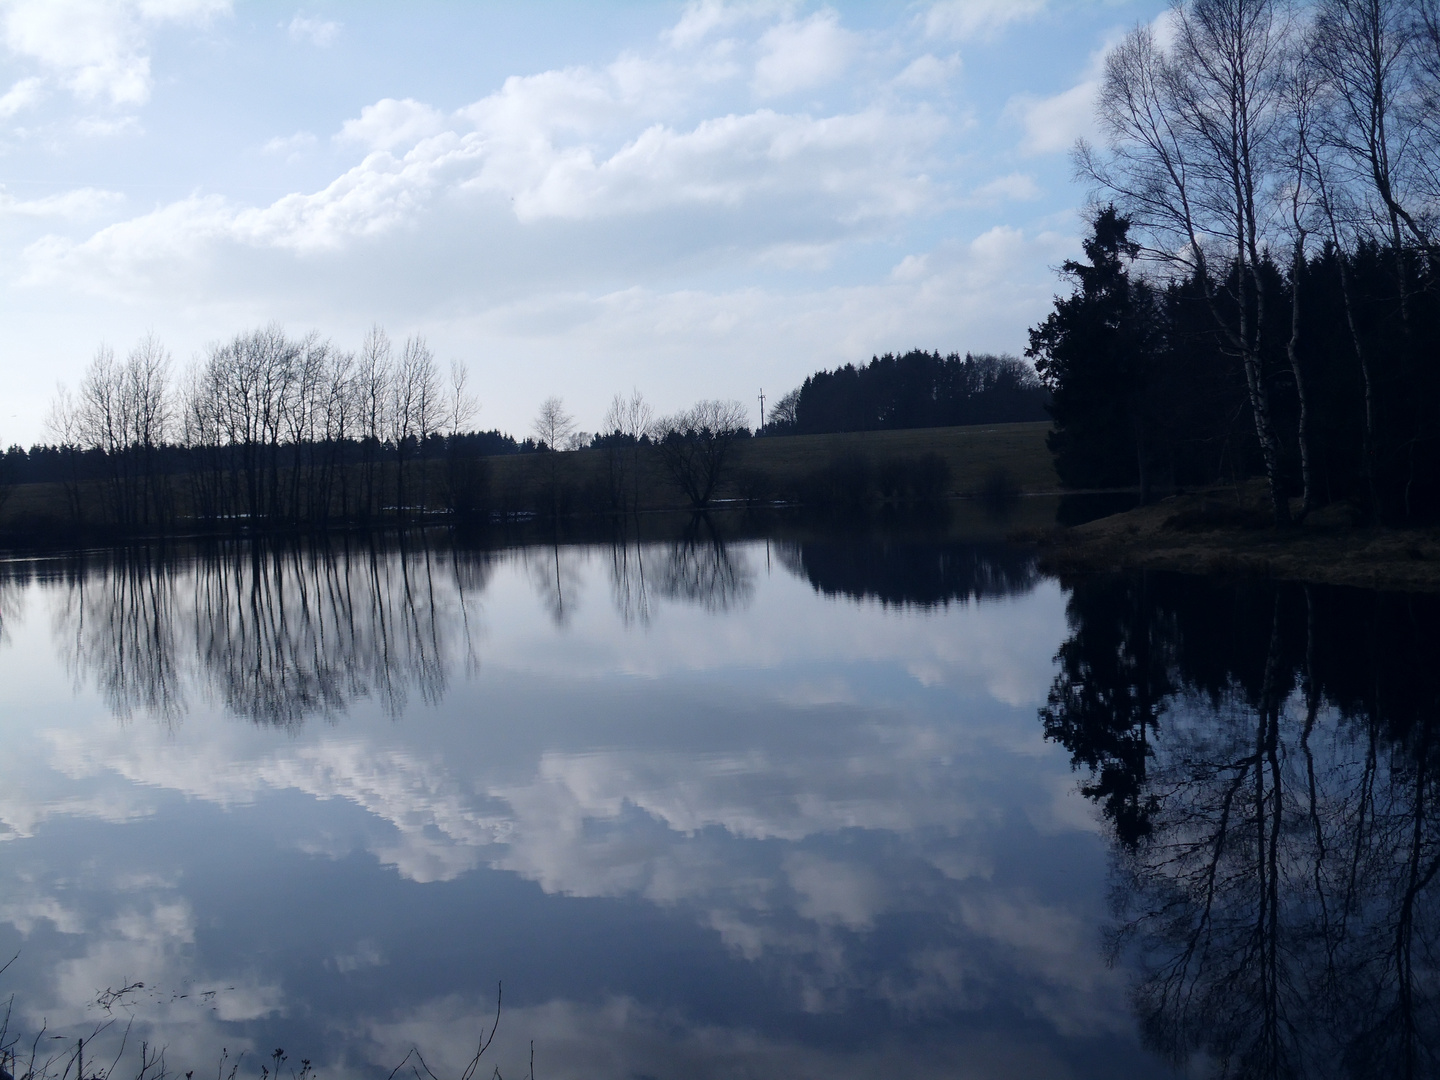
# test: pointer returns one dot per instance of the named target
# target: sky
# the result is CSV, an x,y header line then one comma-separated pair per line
x,y
695,200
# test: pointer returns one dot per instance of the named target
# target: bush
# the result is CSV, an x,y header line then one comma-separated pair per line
x,y
844,484
921,481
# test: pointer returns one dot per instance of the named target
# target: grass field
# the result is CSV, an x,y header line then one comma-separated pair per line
x,y
972,453
975,456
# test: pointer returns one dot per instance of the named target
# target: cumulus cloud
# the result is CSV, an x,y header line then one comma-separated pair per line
x,y
531,145
965,20
289,145
627,201
1052,124
929,72
318,32
1016,187
801,55
25,93
78,205
390,123
96,49
702,18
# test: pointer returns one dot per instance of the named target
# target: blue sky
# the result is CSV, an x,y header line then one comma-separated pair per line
x,y
692,199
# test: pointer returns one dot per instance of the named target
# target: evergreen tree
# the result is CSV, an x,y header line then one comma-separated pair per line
x,y
1095,353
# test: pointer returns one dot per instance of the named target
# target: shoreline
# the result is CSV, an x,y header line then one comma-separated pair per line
x,y
1225,532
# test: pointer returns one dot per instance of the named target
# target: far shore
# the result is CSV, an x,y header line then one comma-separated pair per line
x,y
1224,531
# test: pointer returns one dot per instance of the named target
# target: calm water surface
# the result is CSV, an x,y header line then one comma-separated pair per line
x,y
798,807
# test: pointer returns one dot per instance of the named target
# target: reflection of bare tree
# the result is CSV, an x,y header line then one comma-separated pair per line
x,y
274,632
702,569
124,613
11,600
628,583
556,574
1280,899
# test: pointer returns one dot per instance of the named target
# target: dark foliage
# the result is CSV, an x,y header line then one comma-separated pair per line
x,y
1266,758
916,390
912,573
1144,393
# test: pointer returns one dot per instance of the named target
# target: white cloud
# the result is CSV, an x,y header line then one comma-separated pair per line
x,y
1016,187
631,196
318,32
964,20
76,205
929,72
1052,124
96,49
103,127
702,18
390,123
289,145
802,55
22,95
532,145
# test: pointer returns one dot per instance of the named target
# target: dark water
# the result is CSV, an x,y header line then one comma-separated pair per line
x,y
818,805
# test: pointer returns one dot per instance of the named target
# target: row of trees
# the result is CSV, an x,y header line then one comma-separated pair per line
x,y
693,447
916,390
1276,169
269,429
264,428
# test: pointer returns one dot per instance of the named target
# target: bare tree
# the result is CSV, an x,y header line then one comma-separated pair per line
x,y
1367,51
1193,147
784,413
627,422
374,369
63,429
415,413
123,415
1305,208
553,425
466,476
695,446
461,404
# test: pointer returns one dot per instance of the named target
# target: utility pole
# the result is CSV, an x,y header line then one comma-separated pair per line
x,y
762,406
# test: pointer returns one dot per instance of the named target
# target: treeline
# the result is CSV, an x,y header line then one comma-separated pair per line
x,y
1260,296
267,430
916,390
263,429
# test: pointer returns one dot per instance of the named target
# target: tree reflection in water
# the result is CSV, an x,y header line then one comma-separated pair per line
x,y
278,633
700,568
1266,758
274,632
13,578
914,573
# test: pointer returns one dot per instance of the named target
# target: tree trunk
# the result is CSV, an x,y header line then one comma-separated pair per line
x,y
1292,351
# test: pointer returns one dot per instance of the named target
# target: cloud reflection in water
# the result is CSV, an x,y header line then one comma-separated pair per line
x,y
726,818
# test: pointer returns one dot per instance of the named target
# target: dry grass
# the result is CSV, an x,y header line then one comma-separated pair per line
x,y
1225,531
977,457
973,454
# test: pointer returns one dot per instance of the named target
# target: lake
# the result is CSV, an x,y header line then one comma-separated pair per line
x,y
724,802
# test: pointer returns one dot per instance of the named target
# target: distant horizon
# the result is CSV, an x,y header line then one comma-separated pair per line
x,y
696,200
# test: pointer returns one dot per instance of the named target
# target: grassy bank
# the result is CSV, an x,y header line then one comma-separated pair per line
x,y
1227,532
813,469
785,467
